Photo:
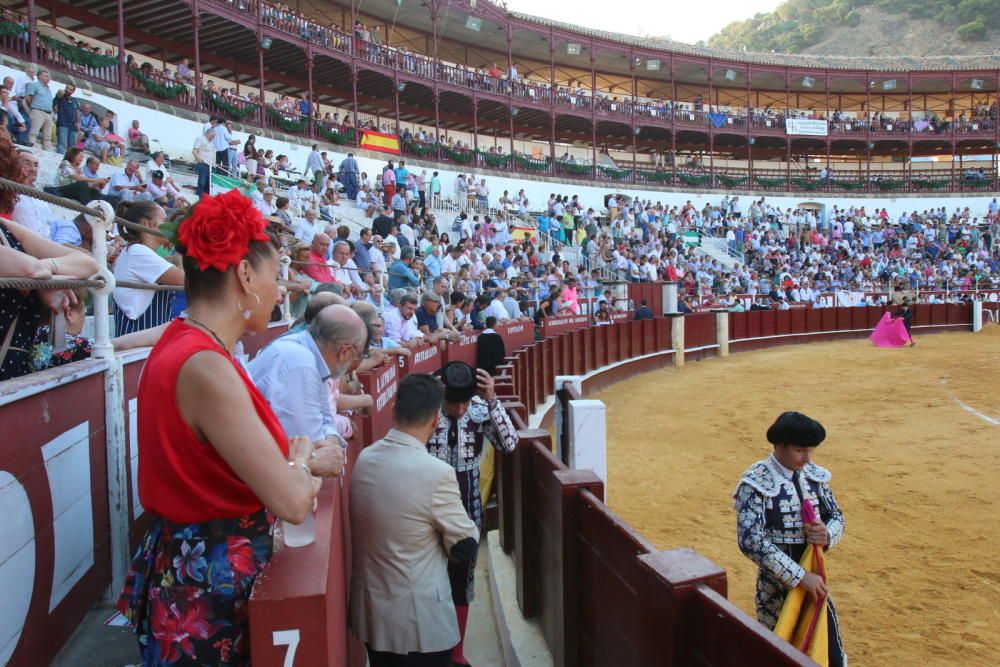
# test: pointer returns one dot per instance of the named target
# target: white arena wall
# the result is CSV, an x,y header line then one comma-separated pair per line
x,y
176,135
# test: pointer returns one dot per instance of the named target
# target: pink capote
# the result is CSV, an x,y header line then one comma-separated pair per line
x,y
890,332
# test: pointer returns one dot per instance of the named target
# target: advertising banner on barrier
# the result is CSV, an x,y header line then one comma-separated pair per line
x,y
806,126
557,325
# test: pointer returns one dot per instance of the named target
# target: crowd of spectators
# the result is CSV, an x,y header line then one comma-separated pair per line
x,y
790,255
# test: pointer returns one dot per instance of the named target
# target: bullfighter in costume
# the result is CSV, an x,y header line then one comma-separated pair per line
x,y
769,526
470,415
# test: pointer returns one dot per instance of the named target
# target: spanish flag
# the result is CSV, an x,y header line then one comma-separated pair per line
x,y
803,620
377,141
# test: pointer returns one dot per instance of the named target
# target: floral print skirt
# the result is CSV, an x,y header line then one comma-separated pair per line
x,y
188,588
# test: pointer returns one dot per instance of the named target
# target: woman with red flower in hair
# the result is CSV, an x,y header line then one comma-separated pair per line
x,y
215,466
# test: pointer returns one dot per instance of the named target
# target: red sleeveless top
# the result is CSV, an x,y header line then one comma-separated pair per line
x,y
182,478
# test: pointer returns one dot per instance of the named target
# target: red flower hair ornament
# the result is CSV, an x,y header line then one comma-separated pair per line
x,y
219,231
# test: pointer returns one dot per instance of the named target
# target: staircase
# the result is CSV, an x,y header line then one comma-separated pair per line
x,y
718,249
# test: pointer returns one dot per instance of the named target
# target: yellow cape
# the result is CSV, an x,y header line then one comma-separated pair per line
x,y
803,621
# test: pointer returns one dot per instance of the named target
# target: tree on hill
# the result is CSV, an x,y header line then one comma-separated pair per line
x,y
796,25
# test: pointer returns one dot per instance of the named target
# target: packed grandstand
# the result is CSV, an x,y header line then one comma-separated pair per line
x,y
390,179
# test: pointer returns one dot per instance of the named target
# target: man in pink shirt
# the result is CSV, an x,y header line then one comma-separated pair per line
x,y
318,268
570,298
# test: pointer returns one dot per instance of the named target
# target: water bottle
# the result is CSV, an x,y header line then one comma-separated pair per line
x,y
299,534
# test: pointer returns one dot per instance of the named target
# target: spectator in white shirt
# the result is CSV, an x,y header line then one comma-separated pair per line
x,y
33,213
308,227
497,308
266,204
401,322
127,185
345,270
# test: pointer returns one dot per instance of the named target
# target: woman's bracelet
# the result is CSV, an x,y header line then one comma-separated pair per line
x,y
300,464
53,265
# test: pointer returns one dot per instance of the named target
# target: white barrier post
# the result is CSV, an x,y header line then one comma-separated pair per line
x,y
114,403
102,348
286,303
722,332
669,298
588,441
677,338
977,316
562,419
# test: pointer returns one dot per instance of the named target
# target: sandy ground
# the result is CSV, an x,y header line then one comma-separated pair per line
x,y
916,576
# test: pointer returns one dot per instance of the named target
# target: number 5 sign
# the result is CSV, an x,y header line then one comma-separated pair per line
x,y
289,638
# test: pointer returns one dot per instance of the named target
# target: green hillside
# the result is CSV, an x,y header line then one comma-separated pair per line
x,y
813,26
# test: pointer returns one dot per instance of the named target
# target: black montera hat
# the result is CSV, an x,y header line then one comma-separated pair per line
x,y
459,380
794,428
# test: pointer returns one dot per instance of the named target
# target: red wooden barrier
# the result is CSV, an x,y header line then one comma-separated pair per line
x,y
466,350
381,384
55,559
424,359
651,292
516,334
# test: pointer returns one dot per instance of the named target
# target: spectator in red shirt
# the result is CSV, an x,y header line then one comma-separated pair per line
x,y
318,269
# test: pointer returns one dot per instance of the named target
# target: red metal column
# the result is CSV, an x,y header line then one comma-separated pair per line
x,y
510,54
122,80
909,131
260,73
260,65
711,129
673,121
437,88
593,106
310,128
826,114
868,130
552,100
510,115
954,119
635,94
475,127
33,31
788,137
196,28
354,93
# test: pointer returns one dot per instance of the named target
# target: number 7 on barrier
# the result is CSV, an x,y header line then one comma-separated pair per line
x,y
289,638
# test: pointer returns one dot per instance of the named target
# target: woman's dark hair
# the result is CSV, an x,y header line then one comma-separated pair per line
x,y
281,202
136,212
418,399
71,153
10,168
208,282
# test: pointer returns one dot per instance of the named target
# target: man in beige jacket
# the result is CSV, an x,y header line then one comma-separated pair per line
x,y
407,520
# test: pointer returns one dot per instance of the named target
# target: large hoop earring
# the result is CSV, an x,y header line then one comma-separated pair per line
x,y
248,313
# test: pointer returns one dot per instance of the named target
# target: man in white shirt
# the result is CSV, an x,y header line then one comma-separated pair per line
x,y
127,185
453,263
266,205
204,154
33,213
308,227
401,322
22,80
158,162
496,308
345,270
315,166
221,141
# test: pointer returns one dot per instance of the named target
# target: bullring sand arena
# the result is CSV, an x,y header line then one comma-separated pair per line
x,y
915,469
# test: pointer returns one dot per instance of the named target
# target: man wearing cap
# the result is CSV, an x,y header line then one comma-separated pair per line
x,y
470,415
769,526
